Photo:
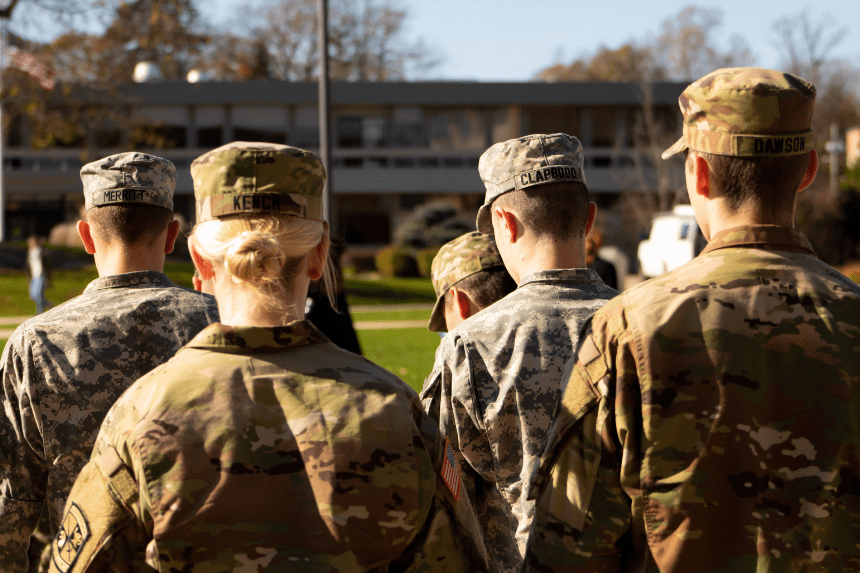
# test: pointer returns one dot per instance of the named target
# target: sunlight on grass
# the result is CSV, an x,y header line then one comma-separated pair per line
x,y
408,353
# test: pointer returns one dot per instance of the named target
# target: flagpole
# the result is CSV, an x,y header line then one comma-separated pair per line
x,y
322,89
2,138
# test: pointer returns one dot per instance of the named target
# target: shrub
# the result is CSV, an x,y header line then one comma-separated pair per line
x,y
424,258
396,262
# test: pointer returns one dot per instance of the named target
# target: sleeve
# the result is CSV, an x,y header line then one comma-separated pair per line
x,y
583,512
450,540
450,399
23,473
102,529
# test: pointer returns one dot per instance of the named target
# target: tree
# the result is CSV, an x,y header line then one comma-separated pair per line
x,y
159,31
807,46
630,62
686,49
366,43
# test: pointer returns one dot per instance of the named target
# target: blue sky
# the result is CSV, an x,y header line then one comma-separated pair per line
x,y
512,39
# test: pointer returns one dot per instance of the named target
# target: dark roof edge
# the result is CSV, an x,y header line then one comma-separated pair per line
x,y
403,93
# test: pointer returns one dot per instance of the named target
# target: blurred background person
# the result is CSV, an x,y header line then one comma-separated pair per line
x,y
604,268
331,314
262,444
39,265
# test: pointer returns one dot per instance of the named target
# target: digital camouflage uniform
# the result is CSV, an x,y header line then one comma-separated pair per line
x,y
459,259
495,381
709,421
62,370
268,448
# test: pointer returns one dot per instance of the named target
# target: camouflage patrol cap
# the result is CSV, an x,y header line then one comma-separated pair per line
x,y
456,260
129,178
526,162
747,112
243,177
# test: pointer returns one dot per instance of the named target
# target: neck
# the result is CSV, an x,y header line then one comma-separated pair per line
x,y
721,217
119,259
547,254
240,305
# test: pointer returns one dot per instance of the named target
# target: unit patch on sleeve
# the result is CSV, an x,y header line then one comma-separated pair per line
x,y
70,539
451,471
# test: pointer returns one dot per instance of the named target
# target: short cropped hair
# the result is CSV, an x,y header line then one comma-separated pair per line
x,y
559,209
129,224
769,183
485,287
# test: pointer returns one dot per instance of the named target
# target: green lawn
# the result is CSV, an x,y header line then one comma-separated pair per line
x,y
389,291
374,315
408,353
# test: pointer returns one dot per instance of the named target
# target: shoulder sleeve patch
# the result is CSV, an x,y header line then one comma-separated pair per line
x,y
73,534
451,471
588,353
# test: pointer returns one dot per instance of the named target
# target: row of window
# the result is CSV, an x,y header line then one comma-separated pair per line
x,y
370,128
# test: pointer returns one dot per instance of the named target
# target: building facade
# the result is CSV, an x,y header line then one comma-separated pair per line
x,y
393,145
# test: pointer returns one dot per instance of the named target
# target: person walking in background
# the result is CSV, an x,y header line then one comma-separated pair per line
x,y
39,266
468,275
709,421
604,268
261,444
494,386
62,370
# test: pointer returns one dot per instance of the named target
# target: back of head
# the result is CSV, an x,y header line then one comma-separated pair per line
x,y
754,127
541,178
128,197
471,262
259,214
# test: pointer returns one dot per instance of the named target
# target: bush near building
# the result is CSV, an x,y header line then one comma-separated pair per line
x,y
396,262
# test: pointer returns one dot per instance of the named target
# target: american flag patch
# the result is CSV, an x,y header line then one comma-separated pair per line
x,y
451,471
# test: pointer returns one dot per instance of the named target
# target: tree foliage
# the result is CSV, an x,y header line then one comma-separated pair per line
x,y
685,49
807,45
367,42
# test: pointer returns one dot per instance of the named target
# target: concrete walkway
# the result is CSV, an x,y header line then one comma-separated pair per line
x,y
390,324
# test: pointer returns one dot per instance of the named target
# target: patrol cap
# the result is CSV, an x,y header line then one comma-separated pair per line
x,y
129,178
456,260
747,112
526,162
244,177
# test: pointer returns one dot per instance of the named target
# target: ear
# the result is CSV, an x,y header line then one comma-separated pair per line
x,y
172,233
592,213
462,302
204,267
509,224
811,170
703,176
84,232
318,256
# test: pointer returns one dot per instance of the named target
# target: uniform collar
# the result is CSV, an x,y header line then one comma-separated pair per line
x,y
561,275
771,237
128,279
243,339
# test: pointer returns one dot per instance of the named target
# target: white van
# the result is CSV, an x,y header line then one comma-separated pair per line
x,y
674,240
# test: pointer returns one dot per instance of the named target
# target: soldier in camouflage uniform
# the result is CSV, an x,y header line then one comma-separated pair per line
x,y
62,370
261,445
495,383
709,422
468,275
